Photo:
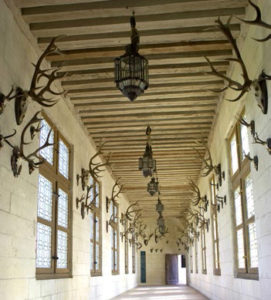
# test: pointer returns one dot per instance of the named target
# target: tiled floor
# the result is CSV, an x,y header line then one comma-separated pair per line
x,y
180,292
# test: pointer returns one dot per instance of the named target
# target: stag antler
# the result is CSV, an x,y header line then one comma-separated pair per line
x,y
115,194
197,198
18,152
130,211
5,139
258,21
37,93
244,87
4,98
95,168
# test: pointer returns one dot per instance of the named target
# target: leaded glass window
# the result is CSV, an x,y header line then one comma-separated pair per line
x,y
215,237
95,229
114,238
53,246
246,245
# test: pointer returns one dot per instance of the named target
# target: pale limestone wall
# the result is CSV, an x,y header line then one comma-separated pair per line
x,y
226,286
155,262
18,196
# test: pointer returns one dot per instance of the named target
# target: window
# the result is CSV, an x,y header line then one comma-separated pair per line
x,y
114,237
95,229
126,250
53,244
215,238
196,254
191,260
133,255
203,251
246,248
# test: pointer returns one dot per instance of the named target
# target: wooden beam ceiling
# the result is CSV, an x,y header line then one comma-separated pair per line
x,y
175,35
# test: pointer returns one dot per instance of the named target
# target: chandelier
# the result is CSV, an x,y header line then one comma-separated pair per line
x,y
147,164
131,69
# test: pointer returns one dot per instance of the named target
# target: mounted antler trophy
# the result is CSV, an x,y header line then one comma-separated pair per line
x,y
5,138
38,90
33,159
94,169
258,85
87,205
258,21
256,140
131,213
114,195
197,198
207,164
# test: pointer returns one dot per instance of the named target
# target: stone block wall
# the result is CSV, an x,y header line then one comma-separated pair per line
x,y
18,196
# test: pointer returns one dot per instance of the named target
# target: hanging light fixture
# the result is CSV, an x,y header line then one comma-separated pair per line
x,y
153,186
159,207
147,164
131,69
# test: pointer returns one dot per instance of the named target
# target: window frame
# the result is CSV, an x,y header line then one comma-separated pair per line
x,y
96,213
115,227
238,181
126,250
51,173
196,255
203,251
133,254
214,220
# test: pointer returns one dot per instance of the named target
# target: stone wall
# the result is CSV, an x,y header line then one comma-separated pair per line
x,y
227,286
18,196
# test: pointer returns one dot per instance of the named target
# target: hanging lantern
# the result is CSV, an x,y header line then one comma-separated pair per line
x,y
152,187
147,164
131,69
159,207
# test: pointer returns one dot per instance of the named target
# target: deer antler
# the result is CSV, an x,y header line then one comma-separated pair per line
x,y
18,152
5,138
37,93
4,98
197,198
206,159
32,164
115,194
244,87
129,212
258,21
95,168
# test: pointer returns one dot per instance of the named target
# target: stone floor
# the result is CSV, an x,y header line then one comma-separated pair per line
x,y
179,292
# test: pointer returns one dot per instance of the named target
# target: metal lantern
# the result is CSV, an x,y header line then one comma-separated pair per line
x,y
152,187
131,69
159,207
147,164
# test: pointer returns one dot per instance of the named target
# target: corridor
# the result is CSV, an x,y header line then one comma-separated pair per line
x,y
181,292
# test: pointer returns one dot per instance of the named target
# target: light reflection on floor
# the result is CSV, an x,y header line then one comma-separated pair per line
x,y
180,292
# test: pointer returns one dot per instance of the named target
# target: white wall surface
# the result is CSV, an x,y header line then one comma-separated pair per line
x,y
257,57
18,196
